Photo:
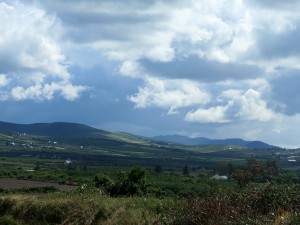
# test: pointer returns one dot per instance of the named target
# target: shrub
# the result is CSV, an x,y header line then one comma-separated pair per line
x,y
130,183
6,205
8,220
104,183
252,205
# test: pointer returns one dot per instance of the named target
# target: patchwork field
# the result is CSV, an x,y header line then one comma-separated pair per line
x,y
19,184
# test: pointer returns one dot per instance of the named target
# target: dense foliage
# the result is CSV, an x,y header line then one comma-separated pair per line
x,y
255,204
128,183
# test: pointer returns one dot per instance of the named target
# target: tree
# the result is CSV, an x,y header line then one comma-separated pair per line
x,y
130,183
104,183
37,166
242,177
230,169
272,167
158,169
256,172
186,170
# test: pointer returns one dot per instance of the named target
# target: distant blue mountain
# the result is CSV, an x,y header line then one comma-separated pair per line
x,y
183,140
65,130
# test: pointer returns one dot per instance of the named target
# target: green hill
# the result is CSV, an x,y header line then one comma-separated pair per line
x,y
96,147
57,129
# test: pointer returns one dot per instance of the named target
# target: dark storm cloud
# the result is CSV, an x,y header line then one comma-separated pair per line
x,y
285,44
199,69
88,21
275,4
285,90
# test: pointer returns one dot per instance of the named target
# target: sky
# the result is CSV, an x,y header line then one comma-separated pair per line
x,y
209,68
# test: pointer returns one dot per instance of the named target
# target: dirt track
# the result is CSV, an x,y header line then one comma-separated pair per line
x,y
18,184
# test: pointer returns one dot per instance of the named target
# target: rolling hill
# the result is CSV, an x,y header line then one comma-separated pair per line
x,y
57,129
96,148
183,140
75,130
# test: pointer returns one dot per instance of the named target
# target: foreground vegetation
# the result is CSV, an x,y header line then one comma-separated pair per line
x,y
173,184
136,196
266,204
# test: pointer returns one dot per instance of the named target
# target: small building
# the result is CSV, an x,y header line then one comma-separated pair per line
x,y
218,177
68,162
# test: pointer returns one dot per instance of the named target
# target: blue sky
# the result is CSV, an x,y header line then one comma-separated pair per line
x,y
212,68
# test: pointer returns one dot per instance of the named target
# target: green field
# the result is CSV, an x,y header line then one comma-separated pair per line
x,y
171,185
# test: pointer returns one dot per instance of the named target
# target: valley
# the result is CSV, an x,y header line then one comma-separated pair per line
x,y
80,171
85,145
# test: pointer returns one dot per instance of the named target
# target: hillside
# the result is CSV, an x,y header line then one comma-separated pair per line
x,y
183,140
57,129
75,130
96,147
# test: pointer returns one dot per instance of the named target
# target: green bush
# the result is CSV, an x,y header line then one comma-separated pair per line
x,y
8,220
6,205
128,183
104,183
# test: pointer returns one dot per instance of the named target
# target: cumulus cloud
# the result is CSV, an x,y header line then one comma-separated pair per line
x,y
218,31
203,41
30,54
158,31
3,80
211,115
47,91
169,94
207,41
239,106
131,69
250,106
119,29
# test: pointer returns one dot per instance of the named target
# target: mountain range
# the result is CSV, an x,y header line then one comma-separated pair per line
x,y
183,140
75,130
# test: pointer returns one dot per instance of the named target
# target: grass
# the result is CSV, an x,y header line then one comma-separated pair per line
x,y
82,208
258,205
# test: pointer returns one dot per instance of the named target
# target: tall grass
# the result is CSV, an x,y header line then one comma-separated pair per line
x,y
82,208
268,204
261,204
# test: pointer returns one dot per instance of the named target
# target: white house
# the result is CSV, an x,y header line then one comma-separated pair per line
x,y
218,177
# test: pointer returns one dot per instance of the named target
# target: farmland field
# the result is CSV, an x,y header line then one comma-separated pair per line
x,y
19,184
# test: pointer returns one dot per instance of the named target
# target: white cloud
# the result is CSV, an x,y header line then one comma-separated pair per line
x,y
226,31
250,106
223,31
238,106
29,41
3,80
169,94
47,91
144,30
211,115
71,92
31,56
221,60
131,69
